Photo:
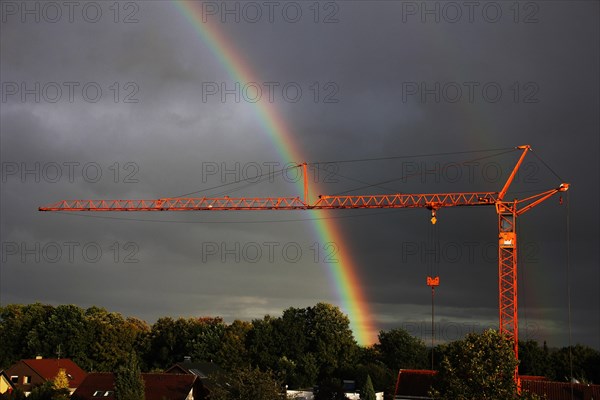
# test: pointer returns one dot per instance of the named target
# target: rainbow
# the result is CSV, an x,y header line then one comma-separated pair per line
x,y
344,273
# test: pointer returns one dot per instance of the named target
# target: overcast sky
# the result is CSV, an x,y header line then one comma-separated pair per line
x,y
127,100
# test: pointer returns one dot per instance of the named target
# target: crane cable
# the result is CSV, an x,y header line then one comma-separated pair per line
x,y
547,166
264,176
318,165
568,260
506,149
404,177
261,178
523,280
433,255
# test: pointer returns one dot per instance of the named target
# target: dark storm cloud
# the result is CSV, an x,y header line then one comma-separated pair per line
x,y
400,84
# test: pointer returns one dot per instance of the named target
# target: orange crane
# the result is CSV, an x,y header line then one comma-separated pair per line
x,y
507,211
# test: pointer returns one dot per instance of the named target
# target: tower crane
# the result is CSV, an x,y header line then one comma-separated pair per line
x,y
507,211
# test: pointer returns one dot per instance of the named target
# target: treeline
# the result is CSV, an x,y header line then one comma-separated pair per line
x,y
304,346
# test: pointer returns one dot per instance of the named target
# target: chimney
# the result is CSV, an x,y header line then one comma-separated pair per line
x,y
187,359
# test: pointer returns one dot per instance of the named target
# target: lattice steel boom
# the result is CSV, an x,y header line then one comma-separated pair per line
x,y
507,211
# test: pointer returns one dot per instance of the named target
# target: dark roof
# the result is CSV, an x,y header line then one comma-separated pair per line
x,y
101,385
200,369
168,386
48,368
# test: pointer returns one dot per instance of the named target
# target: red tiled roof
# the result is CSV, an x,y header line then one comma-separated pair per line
x,y
414,382
533,378
156,386
96,381
48,368
417,372
561,390
418,382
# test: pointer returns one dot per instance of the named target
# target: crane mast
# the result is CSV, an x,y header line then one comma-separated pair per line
x,y
507,212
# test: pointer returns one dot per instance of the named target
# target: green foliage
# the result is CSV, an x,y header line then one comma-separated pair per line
x,y
368,363
16,394
47,391
534,360
129,384
306,344
330,389
531,396
113,338
207,337
329,337
232,352
171,340
367,392
586,364
479,367
168,341
399,350
93,338
247,383
22,330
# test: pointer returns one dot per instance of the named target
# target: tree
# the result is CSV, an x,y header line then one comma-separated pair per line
x,y
206,338
382,378
61,381
367,392
398,349
479,367
534,360
16,394
112,338
47,391
585,364
330,389
68,334
246,383
129,384
168,341
22,332
232,351
262,344
330,338
306,344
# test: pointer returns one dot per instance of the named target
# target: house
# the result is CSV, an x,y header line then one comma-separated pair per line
x,y
415,384
101,386
5,384
26,374
308,394
560,390
200,369
348,386
203,370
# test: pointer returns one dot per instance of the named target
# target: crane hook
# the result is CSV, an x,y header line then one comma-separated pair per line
x,y
433,218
